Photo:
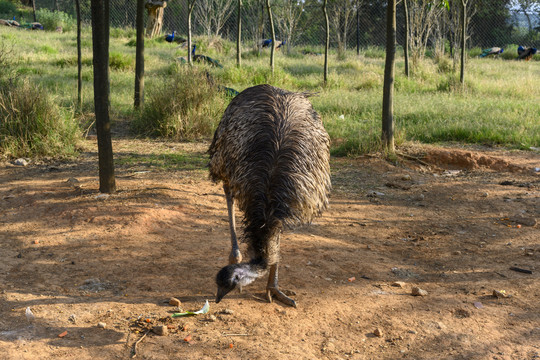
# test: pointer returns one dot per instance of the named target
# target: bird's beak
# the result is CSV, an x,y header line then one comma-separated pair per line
x,y
221,294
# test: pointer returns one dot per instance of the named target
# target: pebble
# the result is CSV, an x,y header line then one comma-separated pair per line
x,y
72,318
457,252
484,194
406,177
174,302
20,162
500,294
227,312
101,325
160,330
400,284
212,318
378,332
416,291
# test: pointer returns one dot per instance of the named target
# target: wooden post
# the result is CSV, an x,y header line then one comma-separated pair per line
x,y
388,91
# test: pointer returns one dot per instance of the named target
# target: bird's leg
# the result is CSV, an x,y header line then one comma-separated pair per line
x,y
235,256
272,288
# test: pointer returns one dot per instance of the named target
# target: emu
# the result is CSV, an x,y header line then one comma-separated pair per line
x,y
271,152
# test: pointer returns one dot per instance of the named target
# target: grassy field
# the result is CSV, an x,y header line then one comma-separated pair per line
x,y
499,106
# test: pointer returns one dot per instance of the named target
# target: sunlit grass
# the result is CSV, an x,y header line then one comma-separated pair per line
x,y
500,104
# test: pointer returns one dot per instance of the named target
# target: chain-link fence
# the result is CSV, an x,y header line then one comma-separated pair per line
x,y
353,23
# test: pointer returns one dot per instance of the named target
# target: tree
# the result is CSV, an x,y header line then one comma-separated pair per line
x,y
191,4
213,14
341,15
406,45
422,18
100,45
239,35
463,40
139,57
273,44
327,40
288,14
79,56
389,71
155,8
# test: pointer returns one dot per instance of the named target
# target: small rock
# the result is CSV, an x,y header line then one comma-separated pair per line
x,y
212,318
29,315
378,332
72,318
484,194
406,177
500,294
227,312
329,346
478,305
160,330
375,194
174,302
400,284
457,252
20,162
101,325
416,291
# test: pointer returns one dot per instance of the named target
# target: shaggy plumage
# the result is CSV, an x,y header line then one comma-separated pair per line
x,y
272,153
526,53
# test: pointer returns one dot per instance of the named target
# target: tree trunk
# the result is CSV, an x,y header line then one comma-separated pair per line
x,y
463,40
79,55
388,92
139,57
261,30
155,9
357,28
239,35
406,46
190,13
272,50
100,42
326,42
34,9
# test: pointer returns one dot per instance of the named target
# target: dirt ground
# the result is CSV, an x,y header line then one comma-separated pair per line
x,y
97,272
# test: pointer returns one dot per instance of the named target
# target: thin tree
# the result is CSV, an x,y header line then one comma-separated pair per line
x,y
79,55
463,40
389,71
273,44
239,35
100,44
357,27
139,57
191,4
326,41
34,9
406,46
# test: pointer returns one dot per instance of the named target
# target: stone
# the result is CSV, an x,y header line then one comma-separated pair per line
x,y
416,291
174,302
160,330
101,325
378,332
20,162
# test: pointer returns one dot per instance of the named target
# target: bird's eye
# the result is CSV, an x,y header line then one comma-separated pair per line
x,y
236,278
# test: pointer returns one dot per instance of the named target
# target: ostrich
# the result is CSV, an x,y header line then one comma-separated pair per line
x,y
272,153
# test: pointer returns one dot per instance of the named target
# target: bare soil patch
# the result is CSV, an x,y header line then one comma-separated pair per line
x,y
452,225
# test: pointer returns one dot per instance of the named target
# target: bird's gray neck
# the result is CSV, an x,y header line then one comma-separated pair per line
x,y
246,273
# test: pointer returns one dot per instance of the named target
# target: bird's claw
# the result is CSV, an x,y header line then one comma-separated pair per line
x,y
279,295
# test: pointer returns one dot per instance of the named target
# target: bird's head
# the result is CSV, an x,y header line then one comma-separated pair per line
x,y
502,50
193,50
534,51
234,275
520,48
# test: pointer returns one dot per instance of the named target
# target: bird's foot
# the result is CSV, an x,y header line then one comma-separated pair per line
x,y
279,295
235,257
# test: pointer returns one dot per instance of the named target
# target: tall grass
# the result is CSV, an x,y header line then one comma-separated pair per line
x,y
184,106
32,124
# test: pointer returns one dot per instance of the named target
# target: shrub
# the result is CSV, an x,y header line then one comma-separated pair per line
x,y
32,124
7,8
185,106
119,61
53,19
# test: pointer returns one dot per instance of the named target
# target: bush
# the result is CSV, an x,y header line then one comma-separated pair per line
x,y
7,8
32,124
186,106
53,19
119,61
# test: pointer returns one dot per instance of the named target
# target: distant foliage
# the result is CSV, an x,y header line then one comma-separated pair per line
x,y
185,106
32,125
53,19
7,9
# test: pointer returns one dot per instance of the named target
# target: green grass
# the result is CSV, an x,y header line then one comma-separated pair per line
x,y
500,104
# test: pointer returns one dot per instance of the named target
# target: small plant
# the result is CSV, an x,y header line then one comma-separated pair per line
x,y
32,124
186,106
120,62
53,19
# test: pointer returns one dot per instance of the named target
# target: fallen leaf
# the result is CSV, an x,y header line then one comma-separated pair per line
x,y
188,338
62,334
